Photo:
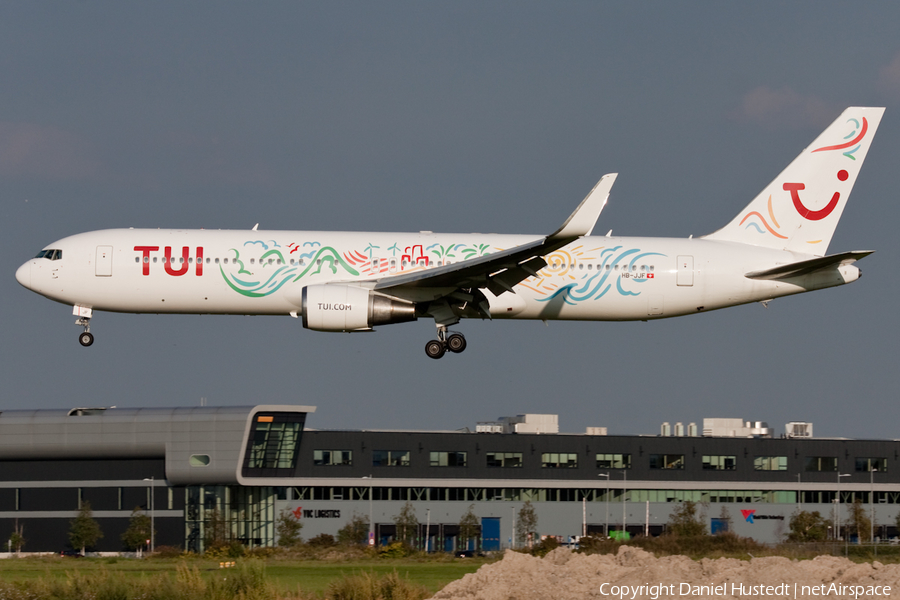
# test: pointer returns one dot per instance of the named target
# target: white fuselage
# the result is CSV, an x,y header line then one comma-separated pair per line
x,y
264,272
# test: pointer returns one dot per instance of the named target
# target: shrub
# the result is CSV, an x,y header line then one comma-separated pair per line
x,y
323,540
395,550
546,545
368,586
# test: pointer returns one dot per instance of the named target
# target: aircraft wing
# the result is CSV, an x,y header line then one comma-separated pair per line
x,y
805,267
500,271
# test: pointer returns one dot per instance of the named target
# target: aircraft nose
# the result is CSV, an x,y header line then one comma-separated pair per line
x,y
23,275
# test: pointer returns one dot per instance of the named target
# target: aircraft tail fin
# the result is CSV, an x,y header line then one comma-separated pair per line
x,y
800,209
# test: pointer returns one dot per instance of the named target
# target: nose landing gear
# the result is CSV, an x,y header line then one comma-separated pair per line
x,y
454,342
85,338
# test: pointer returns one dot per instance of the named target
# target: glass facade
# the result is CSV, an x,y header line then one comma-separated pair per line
x,y
273,444
217,515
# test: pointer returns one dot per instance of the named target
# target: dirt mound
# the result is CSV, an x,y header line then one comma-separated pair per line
x,y
633,573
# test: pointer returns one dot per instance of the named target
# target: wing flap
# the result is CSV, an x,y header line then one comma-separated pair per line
x,y
805,267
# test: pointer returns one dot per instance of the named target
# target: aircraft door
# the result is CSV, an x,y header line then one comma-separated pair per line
x,y
685,274
103,265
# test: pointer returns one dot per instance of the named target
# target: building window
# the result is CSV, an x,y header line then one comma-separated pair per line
x,y
770,463
613,461
557,460
448,459
390,458
504,459
667,461
821,463
199,460
273,444
719,463
872,464
332,458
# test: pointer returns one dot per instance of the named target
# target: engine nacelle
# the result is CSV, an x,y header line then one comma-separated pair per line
x,y
351,308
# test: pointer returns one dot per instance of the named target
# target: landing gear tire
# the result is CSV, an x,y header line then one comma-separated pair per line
x,y
456,343
434,349
86,339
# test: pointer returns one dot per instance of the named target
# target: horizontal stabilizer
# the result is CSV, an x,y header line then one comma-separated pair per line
x,y
582,221
805,267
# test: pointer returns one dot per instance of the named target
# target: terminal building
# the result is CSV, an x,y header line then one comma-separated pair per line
x,y
247,464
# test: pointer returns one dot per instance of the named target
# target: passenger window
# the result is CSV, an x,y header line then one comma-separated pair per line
x,y
217,261
146,259
225,261
252,261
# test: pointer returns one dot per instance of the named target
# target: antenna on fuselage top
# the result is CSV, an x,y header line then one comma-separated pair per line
x,y
254,227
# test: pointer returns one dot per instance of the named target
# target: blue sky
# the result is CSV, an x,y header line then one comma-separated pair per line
x,y
454,117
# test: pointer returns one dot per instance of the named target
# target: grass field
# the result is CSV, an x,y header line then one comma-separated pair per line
x,y
301,577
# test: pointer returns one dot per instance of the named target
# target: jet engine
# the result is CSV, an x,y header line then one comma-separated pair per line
x,y
350,308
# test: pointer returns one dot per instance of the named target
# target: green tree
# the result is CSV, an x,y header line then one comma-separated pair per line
x,y
138,531
526,524
859,522
468,527
17,537
407,524
215,531
287,528
807,526
84,531
686,520
356,531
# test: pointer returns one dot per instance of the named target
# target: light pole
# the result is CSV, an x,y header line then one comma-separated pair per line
x,y
837,505
152,513
624,494
872,505
371,521
606,520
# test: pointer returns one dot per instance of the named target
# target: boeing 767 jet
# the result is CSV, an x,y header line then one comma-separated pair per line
x,y
351,281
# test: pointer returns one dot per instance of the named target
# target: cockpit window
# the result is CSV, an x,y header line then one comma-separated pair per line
x,y
51,254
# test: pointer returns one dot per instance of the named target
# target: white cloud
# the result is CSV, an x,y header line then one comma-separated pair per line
x,y
784,107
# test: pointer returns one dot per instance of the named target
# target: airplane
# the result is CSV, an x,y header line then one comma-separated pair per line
x,y
352,281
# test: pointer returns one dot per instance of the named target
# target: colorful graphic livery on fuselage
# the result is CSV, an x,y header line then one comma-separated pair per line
x,y
347,281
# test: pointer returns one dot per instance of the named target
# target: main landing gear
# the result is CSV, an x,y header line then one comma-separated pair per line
x,y
454,342
85,338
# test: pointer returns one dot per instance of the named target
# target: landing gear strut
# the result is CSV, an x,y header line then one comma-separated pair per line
x,y
86,338
454,342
